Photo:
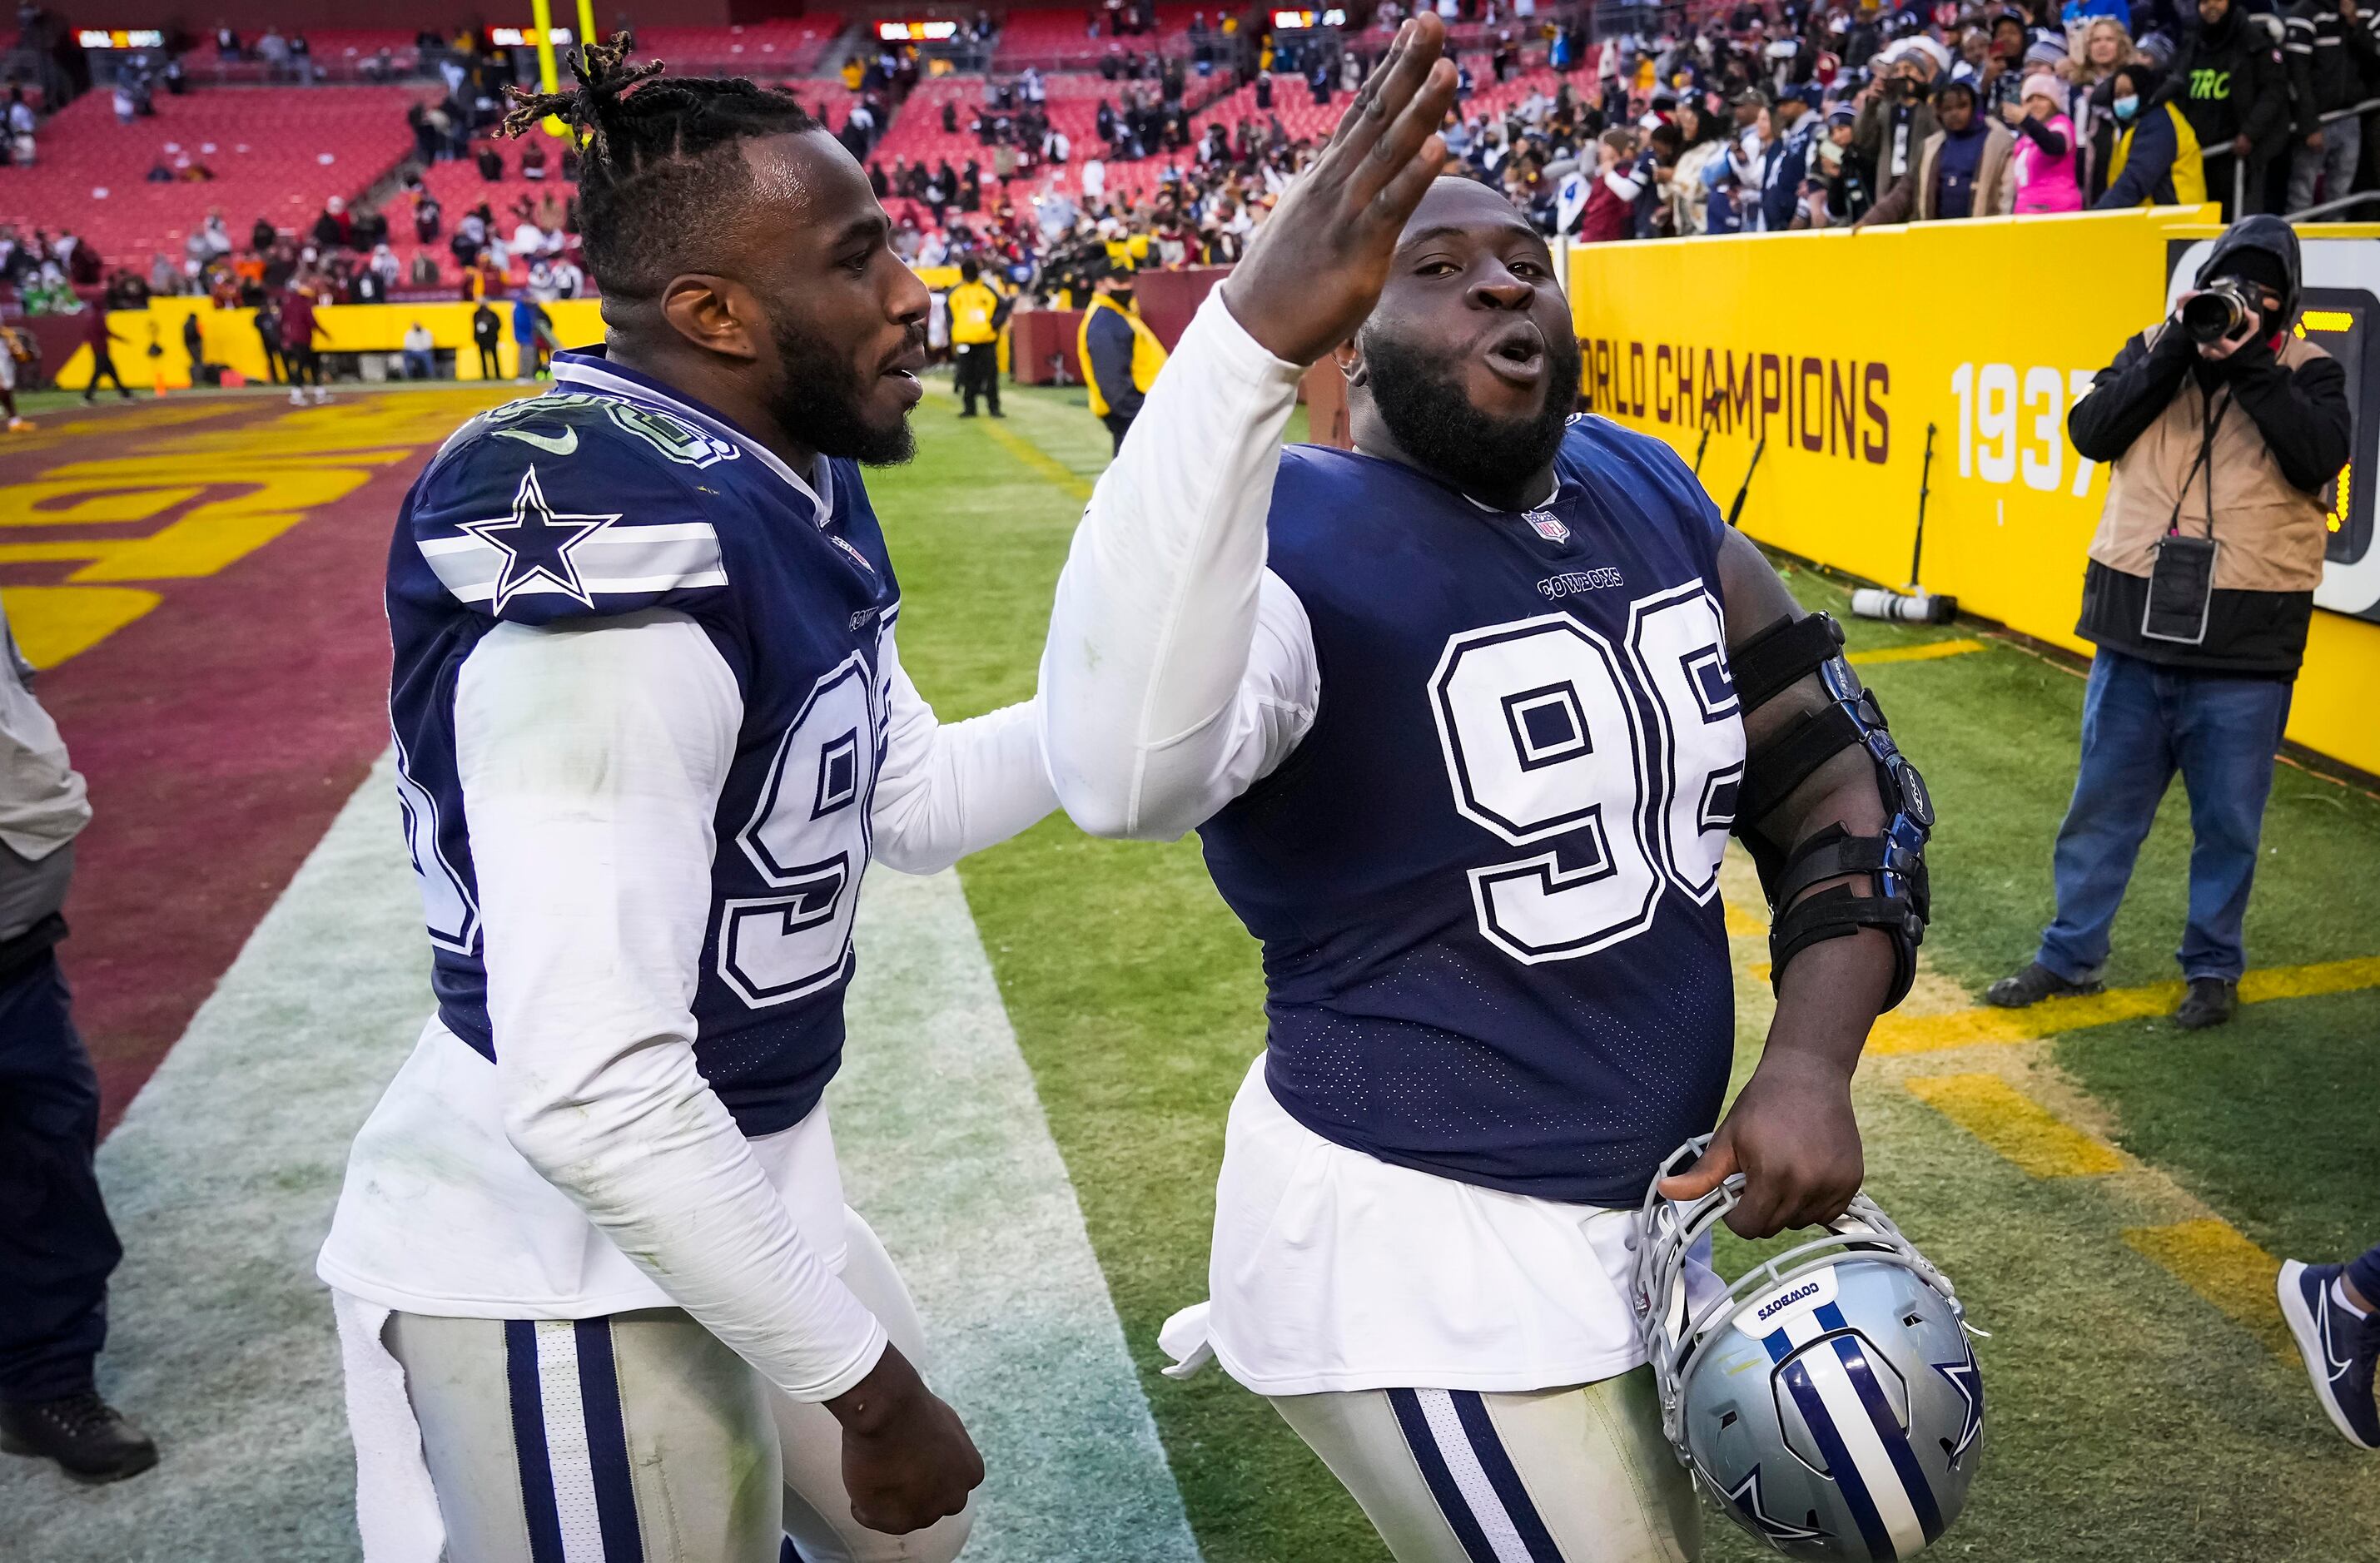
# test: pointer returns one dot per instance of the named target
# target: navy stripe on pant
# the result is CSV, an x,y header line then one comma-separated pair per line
x,y
578,1495
57,1246
1458,1454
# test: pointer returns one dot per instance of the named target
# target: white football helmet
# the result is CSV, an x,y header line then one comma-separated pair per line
x,y
1829,1400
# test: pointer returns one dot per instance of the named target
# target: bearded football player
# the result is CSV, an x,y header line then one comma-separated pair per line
x,y
1465,718
598,1294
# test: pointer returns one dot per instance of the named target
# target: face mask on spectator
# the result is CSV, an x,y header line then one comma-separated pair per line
x,y
2127,105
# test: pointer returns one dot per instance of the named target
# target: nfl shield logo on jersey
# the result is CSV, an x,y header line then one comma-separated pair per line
x,y
1549,525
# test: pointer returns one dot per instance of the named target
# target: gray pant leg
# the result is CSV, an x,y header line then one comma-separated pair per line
x,y
701,1447
1594,1471
722,1466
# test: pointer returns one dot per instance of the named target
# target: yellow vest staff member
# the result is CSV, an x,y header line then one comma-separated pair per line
x,y
976,310
1120,356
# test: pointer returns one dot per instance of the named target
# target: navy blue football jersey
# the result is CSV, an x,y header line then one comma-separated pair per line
x,y
1487,879
607,495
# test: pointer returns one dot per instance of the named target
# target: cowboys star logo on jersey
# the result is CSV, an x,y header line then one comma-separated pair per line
x,y
536,544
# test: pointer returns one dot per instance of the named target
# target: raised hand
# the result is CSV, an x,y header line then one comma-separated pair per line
x,y
1317,266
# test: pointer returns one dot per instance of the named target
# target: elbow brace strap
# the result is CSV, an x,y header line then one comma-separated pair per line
x,y
1893,861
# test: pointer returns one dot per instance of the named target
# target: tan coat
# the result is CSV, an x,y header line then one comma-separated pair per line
x,y
2272,532
1912,197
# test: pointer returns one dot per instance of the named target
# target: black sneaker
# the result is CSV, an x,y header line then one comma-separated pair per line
x,y
2339,1350
2210,1002
2035,983
85,1434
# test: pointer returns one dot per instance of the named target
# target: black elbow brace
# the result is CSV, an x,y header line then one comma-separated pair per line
x,y
1894,860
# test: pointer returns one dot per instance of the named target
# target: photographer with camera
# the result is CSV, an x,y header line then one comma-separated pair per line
x,y
1895,121
2226,431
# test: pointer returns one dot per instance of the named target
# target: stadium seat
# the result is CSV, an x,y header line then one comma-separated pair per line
x,y
275,153
1059,36
788,47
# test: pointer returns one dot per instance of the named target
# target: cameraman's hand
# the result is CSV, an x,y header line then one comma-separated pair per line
x,y
906,1459
2313,137
1316,267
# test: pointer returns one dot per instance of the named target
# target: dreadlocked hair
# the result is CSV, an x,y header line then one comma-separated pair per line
x,y
660,165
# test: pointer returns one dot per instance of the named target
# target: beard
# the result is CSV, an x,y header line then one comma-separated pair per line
x,y
1419,395
820,403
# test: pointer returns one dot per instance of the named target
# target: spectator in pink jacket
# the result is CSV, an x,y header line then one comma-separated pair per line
x,y
2045,148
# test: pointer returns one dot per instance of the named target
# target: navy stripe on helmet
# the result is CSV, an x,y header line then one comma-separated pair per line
x,y
542,1514
1471,1412
1839,1464
1450,1501
607,1444
1852,1349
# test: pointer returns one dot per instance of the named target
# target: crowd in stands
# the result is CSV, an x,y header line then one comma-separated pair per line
x,y
1170,145
1835,114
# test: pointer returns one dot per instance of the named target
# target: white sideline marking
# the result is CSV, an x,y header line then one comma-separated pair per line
x,y
222,1176
946,1152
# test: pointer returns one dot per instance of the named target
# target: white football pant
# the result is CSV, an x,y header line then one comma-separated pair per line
x,y
1578,1475
640,1438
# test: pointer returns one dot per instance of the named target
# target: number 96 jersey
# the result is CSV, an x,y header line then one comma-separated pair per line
x,y
608,497
1487,879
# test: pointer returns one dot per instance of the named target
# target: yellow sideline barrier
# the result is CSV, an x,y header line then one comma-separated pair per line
x,y
1841,349
231,339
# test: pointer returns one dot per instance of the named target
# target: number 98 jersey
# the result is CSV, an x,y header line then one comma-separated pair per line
x,y
1487,879
604,497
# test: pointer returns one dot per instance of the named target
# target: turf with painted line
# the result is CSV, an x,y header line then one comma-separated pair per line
x,y
223,1174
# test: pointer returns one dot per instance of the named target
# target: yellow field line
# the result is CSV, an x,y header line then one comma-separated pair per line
x,y
2211,1258
1986,1026
1928,652
1032,455
2016,1126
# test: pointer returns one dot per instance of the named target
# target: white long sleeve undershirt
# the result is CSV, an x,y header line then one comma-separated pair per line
x,y
1179,671
591,758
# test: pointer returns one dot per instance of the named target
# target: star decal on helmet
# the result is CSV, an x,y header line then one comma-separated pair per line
x,y
1968,1380
536,543
1747,1498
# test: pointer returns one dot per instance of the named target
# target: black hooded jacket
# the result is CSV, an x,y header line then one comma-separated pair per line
x,y
2305,421
2232,84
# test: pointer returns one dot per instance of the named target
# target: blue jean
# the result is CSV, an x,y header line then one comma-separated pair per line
x,y
2141,723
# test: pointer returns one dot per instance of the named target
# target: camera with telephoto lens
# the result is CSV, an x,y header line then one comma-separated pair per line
x,y
2218,312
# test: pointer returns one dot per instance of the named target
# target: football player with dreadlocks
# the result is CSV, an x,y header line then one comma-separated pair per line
x,y
597,1292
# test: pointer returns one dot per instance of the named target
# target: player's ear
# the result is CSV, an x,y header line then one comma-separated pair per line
x,y
1350,360
714,313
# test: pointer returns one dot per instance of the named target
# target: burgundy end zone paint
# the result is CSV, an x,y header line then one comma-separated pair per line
x,y
220,734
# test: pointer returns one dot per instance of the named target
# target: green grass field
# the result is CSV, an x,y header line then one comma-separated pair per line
x,y
2130,1418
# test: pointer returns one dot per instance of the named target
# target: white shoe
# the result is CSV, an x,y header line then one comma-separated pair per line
x,y
321,395
297,397
16,425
